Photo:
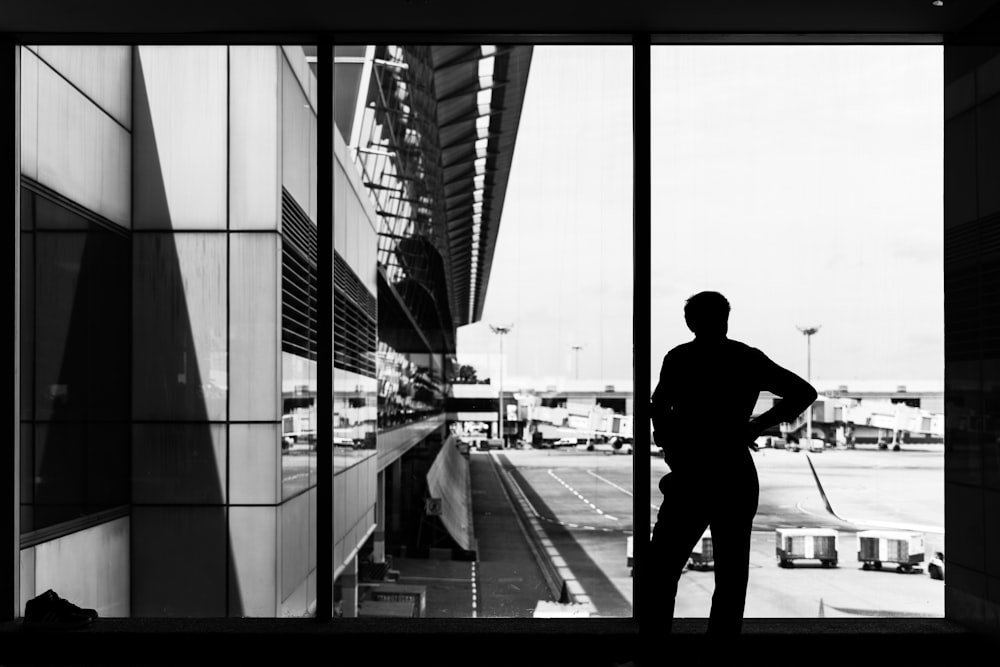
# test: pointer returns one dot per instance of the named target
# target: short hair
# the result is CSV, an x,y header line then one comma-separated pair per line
x,y
706,312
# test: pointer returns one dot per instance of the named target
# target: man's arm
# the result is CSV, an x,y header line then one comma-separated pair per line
x,y
795,394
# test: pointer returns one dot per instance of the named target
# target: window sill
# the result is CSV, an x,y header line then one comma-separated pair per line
x,y
482,642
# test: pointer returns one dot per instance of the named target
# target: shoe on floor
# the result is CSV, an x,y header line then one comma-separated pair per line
x,y
49,611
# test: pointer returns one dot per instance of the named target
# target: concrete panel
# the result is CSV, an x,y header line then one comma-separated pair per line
x,y
298,144
960,169
179,561
294,515
964,517
254,464
988,153
102,73
83,154
988,79
254,327
253,534
340,196
312,495
27,576
254,187
89,568
179,327
29,113
991,532
959,96
180,134
179,464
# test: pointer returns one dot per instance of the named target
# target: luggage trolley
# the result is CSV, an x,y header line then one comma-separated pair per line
x,y
806,544
703,555
905,549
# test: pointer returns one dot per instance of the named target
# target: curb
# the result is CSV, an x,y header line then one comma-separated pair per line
x,y
562,584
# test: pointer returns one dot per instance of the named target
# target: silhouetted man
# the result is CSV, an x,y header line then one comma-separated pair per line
x,y
701,413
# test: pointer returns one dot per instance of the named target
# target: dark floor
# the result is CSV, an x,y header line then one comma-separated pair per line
x,y
495,643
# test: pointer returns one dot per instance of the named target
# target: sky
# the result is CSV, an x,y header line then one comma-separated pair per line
x,y
803,182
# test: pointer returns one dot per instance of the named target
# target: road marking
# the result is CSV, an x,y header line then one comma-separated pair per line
x,y
580,496
620,488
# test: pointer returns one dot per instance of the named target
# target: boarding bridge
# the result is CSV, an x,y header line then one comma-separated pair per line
x,y
838,418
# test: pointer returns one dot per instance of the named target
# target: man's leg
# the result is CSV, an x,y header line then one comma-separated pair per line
x,y
732,526
679,525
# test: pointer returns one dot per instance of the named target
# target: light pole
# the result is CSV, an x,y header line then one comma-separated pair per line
x,y
809,332
501,331
576,350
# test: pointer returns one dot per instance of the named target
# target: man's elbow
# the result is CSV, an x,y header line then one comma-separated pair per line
x,y
810,395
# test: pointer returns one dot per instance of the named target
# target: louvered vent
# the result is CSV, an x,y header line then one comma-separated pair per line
x,y
298,280
355,330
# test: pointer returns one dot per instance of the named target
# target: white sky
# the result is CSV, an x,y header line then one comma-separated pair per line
x,y
803,182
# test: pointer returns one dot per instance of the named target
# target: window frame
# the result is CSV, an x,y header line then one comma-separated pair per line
x,y
255,635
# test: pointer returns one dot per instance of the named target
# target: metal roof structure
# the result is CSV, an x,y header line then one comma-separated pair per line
x,y
478,115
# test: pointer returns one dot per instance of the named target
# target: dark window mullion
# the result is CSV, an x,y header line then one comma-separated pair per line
x,y
324,329
641,336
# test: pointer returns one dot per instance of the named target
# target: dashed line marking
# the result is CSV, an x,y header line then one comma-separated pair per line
x,y
576,493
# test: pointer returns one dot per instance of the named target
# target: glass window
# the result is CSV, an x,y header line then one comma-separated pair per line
x,y
804,183
473,203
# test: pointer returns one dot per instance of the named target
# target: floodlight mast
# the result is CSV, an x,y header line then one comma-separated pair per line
x,y
809,332
501,331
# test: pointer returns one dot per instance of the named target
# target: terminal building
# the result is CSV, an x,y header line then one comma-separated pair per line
x,y
168,301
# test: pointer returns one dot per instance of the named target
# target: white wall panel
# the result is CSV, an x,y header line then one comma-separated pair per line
x,y
90,568
254,184
82,153
254,465
298,142
27,572
340,196
294,549
176,464
179,561
179,327
29,113
102,73
180,132
253,537
254,327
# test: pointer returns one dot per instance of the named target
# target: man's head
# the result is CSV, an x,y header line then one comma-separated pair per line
x,y
707,314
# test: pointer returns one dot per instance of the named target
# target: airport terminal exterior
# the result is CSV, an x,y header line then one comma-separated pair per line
x,y
168,297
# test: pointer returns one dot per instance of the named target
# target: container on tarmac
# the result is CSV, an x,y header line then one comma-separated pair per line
x,y
794,544
904,549
703,555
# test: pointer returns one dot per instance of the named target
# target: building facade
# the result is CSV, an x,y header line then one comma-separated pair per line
x,y
169,196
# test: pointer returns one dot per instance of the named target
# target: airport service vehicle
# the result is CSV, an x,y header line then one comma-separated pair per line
x,y
905,549
703,555
935,567
794,544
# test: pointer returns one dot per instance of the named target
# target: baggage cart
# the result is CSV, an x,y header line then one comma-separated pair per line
x,y
904,549
794,544
703,555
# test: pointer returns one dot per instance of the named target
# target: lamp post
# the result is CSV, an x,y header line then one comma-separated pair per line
x,y
501,331
809,332
576,350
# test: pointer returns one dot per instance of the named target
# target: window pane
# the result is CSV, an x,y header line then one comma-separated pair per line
x,y
169,328
805,184
460,168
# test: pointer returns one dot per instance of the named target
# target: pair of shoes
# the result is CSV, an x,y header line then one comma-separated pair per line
x,y
49,611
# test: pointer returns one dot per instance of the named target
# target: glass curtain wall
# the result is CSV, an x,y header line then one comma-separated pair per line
x,y
502,478
804,183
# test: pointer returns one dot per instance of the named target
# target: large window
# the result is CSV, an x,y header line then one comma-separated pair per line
x,y
805,184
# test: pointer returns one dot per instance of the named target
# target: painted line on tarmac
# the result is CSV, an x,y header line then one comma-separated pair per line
x,y
580,496
620,488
